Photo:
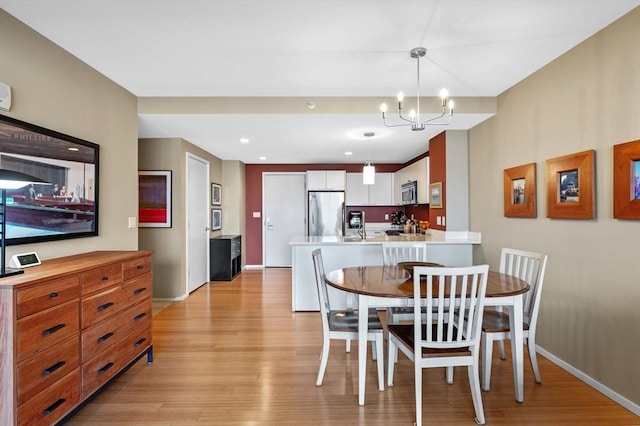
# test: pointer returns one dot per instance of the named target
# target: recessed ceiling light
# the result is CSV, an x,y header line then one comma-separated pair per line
x,y
244,140
263,158
348,153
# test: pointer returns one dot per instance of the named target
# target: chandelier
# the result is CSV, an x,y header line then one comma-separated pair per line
x,y
414,115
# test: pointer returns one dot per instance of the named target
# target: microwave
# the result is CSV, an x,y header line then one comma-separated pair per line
x,y
410,192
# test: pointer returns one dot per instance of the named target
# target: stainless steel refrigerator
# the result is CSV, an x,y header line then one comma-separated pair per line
x,y
325,213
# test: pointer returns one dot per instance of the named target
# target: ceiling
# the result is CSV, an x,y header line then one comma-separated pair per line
x,y
215,71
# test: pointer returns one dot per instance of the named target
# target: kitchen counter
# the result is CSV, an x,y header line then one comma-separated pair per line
x,y
448,248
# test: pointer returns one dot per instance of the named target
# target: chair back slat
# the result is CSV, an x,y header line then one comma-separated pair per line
x,y
529,267
453,302
321,285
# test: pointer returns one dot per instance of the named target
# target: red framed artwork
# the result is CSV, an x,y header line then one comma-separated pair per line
x,y
154,199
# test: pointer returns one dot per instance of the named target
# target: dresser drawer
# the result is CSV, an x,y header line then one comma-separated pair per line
x,y
42,330
101,278
134,268
137,289
47,295
51,405
102,305
39,372
104,335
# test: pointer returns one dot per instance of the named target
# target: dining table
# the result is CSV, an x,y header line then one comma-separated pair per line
x,y
391,285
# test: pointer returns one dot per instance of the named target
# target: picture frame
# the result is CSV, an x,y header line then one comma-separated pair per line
x,y
571,186
626,180
154,198
216,194
435,195
520,191
216,219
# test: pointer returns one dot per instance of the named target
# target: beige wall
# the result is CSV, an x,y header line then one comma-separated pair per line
x,y
52,89
169,244
587,99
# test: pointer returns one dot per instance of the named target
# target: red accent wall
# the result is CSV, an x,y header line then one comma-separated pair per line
x,y
438,173
253,174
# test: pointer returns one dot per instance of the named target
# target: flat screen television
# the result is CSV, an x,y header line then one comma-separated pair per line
x,y
67,205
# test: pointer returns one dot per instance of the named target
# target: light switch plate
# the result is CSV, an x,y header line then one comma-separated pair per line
x,y
256,214
132,222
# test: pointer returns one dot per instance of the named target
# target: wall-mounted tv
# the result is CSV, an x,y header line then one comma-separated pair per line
x,y
67,205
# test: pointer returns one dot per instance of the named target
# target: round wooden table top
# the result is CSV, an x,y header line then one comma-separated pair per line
x,y
396,281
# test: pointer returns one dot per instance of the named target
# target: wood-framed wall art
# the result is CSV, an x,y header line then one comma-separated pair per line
x,y
626,180
216,219
571,189
154,198
435,195
520,191
216,194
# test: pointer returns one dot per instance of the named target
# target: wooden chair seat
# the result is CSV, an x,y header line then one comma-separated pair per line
x,y
348,320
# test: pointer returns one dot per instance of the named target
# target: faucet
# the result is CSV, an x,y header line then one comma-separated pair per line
x,y
361,229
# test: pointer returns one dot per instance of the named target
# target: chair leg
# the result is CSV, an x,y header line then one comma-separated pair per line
x,y
449,375
501,349
379,349
533,357
391,361
373,350
418,386
474,384
347,345
324,357
487,353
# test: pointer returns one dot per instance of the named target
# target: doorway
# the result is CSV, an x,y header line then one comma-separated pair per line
x,y
284,215
197,222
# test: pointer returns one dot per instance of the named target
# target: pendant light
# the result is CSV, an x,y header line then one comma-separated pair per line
x,y
369,170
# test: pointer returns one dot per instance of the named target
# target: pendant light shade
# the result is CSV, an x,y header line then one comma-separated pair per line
x,y
369,170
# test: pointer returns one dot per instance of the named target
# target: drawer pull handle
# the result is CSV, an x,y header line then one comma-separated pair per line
x,y
140,290
105,368
53,294
105,337
53,406
53,329
53,368
105,306
139,342
140,316
105,278
139,266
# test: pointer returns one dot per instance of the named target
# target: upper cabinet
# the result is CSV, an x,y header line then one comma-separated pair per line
x,y
418,171
379,194
326,180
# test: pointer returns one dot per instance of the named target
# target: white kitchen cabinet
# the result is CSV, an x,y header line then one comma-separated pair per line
x,y
326,180
418,171
379,194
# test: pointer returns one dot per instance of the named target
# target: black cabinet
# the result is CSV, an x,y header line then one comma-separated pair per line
x,y
225,254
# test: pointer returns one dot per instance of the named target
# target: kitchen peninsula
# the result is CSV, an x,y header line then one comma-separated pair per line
x,y
449,248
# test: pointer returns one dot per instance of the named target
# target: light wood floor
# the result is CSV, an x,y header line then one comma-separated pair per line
x,y
233,353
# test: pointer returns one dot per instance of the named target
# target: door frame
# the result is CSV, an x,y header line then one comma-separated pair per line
x,y
190,156
264,205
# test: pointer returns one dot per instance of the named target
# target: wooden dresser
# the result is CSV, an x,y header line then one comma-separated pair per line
x,y
67,327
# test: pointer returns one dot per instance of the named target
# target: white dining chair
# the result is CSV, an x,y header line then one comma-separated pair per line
x,y
530,267
343,324
450,336
394,253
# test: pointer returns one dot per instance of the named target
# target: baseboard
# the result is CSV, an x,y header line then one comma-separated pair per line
x,y
253,267
629,405
170,299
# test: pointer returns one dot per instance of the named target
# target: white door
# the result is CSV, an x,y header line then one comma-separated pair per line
x,y
284,215
197,221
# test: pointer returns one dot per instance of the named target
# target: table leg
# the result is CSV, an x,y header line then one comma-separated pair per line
x,y
363,326
517,350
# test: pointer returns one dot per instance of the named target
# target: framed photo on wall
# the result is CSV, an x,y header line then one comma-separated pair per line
x,y
216,219
216,194
626,180
435,195
571,186
154,199
520,191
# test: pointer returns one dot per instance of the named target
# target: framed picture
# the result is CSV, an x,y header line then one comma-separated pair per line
x,y
154,199
571,186
626,180
520,191
435,195
216,219
216,194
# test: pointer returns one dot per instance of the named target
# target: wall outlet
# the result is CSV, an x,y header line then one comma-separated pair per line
x,y
438,220
256,214
386,216
444,221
